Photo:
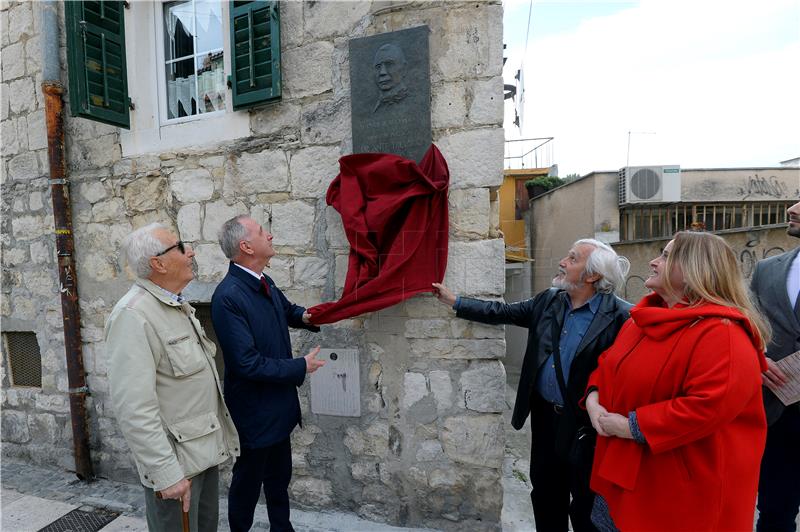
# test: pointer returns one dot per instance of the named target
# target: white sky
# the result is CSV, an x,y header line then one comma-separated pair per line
x,y
701,84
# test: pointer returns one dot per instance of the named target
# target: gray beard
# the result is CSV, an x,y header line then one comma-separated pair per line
x,y
564,285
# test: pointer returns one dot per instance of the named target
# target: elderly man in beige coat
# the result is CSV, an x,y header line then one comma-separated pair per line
x,y
165,388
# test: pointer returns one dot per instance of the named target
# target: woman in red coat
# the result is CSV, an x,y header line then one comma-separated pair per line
x,y
676,400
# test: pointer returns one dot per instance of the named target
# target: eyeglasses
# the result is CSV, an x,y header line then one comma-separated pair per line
x,y
179,245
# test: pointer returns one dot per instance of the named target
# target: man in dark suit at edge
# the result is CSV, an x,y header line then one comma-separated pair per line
x,y
251,317
583,311
776,286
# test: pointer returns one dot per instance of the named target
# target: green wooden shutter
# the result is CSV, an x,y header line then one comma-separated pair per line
x,y
255,53
98,82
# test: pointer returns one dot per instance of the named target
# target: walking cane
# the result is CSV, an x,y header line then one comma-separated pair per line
x,y
185,515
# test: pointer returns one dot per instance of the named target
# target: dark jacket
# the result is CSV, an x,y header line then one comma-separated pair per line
x,y
537,315
769,287
261,377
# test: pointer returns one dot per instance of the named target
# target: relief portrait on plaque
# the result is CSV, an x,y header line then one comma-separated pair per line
x,y
390,93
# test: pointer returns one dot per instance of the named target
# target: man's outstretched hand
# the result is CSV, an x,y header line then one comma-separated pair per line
x,y
444,294
312,364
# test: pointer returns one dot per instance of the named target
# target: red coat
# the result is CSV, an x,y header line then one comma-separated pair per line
x,y
693,376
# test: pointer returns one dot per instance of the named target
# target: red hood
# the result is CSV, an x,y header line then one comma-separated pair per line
x,y
658,321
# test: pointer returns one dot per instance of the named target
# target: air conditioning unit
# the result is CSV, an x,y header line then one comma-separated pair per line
x,y
649,184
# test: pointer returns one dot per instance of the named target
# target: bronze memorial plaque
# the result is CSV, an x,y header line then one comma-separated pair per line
x,y
390,93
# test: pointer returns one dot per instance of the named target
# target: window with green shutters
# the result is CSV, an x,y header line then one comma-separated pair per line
x,y
255,53
98,85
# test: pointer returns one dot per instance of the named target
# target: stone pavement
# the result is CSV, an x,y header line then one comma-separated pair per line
x,y
33,497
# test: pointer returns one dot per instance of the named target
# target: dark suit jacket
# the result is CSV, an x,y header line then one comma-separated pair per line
x,y
261,377
769,288
537,316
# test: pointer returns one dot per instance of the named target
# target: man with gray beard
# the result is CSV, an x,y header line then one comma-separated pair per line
x,y
568,325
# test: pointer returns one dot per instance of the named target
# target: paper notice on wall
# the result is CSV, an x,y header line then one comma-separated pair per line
x,y
788,393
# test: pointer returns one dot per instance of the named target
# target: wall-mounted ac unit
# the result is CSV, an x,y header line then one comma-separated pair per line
x,y
649,184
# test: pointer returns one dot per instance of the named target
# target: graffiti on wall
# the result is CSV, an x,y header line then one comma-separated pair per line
x,y
754,251
756,185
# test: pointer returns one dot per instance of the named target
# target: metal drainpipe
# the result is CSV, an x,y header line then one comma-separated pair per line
x,y
62,216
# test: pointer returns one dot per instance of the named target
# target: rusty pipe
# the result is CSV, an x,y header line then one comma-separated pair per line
x,y
65,246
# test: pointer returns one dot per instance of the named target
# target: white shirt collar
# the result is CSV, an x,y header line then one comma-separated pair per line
x,y
251,272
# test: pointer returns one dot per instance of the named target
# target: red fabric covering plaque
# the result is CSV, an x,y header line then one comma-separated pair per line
x,y
394,213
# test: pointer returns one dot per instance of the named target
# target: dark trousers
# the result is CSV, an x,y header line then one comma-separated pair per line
x,y
270,468
779,483
554,479
166,515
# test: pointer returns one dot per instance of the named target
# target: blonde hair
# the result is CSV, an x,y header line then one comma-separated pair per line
x,y
711,274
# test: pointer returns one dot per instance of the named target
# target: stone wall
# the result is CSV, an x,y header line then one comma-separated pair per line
x,y
428,447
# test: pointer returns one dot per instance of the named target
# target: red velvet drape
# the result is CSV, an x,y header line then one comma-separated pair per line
x,y
394,213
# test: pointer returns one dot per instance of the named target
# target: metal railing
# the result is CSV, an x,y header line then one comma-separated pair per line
x,y
529,153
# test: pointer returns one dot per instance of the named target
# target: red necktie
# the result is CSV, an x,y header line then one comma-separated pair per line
x,y
265,286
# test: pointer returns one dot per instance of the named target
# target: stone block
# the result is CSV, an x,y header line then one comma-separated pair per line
x,y
280,271
24,167
475,440
310,271
40,282
35,201
476,268
218,213
10,144
430,451
341,264
327,121
365,471
14,257
44,429
448,105
307,69
4,25
20,21
99,152
145,194
291,24
458,349
22,95
475,157
442,388
280,118
483,387
41,252
33,55
374,441
189,226
255,173
13,61
292,224
324,20
470,43
92,191
312,170
28,227
444,478
314,492
487,101
4,88
15,427
334,229
428,328
305,298
99,266
192,185
212,265
415,387
470,212
108,210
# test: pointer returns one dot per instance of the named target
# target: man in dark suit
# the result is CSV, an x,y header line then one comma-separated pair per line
x,y
251,317
776,286
579,318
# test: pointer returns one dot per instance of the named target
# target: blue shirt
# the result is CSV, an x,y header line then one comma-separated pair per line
x,y
576,323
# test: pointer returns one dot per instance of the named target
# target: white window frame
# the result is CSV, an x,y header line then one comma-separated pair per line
x,y
150,130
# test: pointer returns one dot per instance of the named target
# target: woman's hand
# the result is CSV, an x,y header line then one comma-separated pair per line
x,y
595,410
615,425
